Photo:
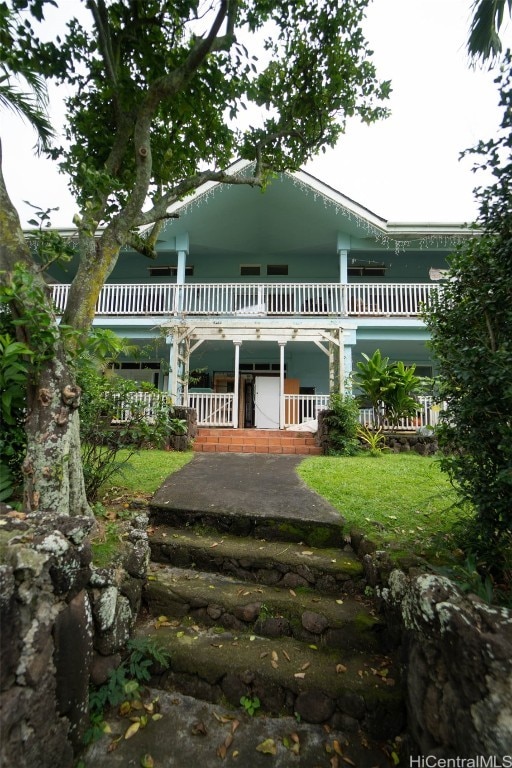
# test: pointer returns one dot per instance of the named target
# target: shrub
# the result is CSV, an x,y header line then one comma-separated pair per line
x,y
471,327
342,420
102,433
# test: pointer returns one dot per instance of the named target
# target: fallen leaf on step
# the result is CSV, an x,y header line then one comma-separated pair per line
x,y
132,730
306,552
199,729
275,657
267,747
262,655
274,664
234,725
306,666
337,748
147,761
340,668
222,718
300,675
221,751
157,716
292,593
340,602
334,761
348,760
228,740
216,543
286,656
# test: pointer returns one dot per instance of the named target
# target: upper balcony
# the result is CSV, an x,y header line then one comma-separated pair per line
x,y
258,299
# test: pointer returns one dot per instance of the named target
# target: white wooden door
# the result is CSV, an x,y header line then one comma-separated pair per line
x,y
266,402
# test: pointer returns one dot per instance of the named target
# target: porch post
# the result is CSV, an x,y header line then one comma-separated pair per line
x,y
237,344
347,354
172,378
182,246
282,345
343,249
341,364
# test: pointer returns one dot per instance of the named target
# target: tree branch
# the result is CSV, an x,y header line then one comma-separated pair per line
x,y
159,211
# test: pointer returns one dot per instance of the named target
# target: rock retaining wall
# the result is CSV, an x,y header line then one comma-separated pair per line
x,y
458,667
64,622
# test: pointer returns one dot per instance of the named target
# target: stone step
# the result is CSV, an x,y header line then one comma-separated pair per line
x,y
216,599
288,450
344,689
272,563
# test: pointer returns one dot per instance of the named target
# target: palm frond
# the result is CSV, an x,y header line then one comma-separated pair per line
x,y
484,41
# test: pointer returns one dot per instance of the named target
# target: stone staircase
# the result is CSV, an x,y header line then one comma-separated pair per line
x,y
218,440
272,614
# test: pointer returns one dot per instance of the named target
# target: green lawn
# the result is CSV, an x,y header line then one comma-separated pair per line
x,y
146,470
402,500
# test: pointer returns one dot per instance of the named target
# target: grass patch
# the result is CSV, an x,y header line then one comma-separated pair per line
x,y
146,470
402,501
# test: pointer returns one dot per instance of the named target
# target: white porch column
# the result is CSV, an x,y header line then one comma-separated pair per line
x,y
282,345
347,355
172,378
343,249
236,387
182,247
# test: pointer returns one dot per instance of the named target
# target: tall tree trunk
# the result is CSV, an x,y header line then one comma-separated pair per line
x,y
53,474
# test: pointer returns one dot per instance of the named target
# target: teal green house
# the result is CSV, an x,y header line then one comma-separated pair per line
x,y
260,303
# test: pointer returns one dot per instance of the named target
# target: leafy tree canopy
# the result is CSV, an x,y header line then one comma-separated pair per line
x,y
161,90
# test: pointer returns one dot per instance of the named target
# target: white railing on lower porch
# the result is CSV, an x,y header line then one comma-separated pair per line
x,y
214,409
301,408
427,415
137,405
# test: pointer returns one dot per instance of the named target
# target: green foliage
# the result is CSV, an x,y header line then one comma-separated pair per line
x,y
374,439
471,328
38,325
15,367
484,41
389,387
251,704
342,420
124,683
178,426
104,402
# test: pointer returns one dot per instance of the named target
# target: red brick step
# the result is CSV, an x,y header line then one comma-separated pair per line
x,y
219,440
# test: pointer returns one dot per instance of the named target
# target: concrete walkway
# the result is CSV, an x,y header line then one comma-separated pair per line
x,y
249,485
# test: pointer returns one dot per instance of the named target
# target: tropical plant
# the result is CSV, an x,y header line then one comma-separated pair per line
x,y
471,327
374,439
484,41
390,388
22,89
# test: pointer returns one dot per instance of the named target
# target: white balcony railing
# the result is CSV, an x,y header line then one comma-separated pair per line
x,y
258,299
